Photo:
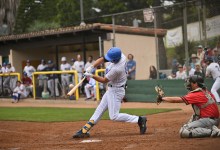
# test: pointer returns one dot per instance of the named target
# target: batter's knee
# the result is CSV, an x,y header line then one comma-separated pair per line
x,y
114,117
185,132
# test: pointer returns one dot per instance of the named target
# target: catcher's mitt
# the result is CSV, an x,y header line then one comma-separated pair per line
x,y
160,94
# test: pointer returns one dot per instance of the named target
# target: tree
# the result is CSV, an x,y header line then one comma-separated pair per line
x,y
8,10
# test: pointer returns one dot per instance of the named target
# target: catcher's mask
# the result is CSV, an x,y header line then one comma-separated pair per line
x,y
194,79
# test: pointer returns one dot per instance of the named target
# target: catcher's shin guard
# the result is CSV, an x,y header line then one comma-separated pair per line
x,y
84,132
142,124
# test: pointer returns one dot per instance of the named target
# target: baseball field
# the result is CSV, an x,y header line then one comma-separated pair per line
x,y
40,124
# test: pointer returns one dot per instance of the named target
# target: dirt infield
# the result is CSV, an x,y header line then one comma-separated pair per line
x,y
162,132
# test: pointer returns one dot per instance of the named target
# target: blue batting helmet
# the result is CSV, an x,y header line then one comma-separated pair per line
x,y
113,54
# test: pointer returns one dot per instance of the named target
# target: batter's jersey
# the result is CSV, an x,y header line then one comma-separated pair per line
x,y
199,98
116,73
29,70
213,70
78,66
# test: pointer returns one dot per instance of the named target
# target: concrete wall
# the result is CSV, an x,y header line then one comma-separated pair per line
x,y
142,47
18,57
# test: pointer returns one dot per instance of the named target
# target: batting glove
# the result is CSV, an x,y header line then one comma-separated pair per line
x,y
89,69
88,75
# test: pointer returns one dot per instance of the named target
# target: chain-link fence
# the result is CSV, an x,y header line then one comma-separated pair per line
x,y
202,23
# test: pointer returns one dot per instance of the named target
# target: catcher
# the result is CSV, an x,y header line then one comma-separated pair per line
x,y
206,118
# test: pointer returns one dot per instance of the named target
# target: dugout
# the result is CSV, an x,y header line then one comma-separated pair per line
x,y
92,39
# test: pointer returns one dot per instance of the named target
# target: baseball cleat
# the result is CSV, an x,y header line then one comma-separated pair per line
x,y
142,124
80,134
215,132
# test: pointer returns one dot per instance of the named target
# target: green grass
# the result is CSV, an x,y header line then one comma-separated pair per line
x,y
45,114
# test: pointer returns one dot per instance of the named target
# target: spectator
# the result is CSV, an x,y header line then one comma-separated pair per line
x,y
190,70
200,54
27,82
175,65
89,62
19,92
65,77
41,77
90,88
52,79
172,76
181,74
131,67
10,81
153,72
194,60
79,67
215,55
29,69
198,71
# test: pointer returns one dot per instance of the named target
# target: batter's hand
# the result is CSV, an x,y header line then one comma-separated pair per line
x,y
160,94
88,74
89,69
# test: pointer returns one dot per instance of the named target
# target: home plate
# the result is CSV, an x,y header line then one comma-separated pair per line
x,y
90,141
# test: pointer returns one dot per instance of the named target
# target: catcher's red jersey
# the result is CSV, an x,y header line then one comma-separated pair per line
x,y
199,99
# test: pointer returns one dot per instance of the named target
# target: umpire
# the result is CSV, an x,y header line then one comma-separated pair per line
x,y
206,118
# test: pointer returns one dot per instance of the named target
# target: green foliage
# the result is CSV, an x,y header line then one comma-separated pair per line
x,y
39,26
63,114
180,51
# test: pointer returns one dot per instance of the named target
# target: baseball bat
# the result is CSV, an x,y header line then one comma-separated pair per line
x,y
75,87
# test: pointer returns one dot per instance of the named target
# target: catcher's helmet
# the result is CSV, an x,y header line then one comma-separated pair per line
x,y
194,79
113,54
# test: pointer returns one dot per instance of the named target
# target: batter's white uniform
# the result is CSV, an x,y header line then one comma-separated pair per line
x,y
29,70
214,70
65,78
79,67
111,100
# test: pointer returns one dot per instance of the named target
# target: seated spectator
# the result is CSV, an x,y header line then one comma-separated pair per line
x,y
181,74
90,88
175,65
172,76
198,71
200,54
27,82
19,92
190,70
215,55
194,60
153,72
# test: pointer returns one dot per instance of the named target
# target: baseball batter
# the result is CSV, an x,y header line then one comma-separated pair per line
x,y
206,118
116,78
213,69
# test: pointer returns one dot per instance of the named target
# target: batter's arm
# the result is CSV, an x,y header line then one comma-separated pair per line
x,y
100,79
172,99
98,62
